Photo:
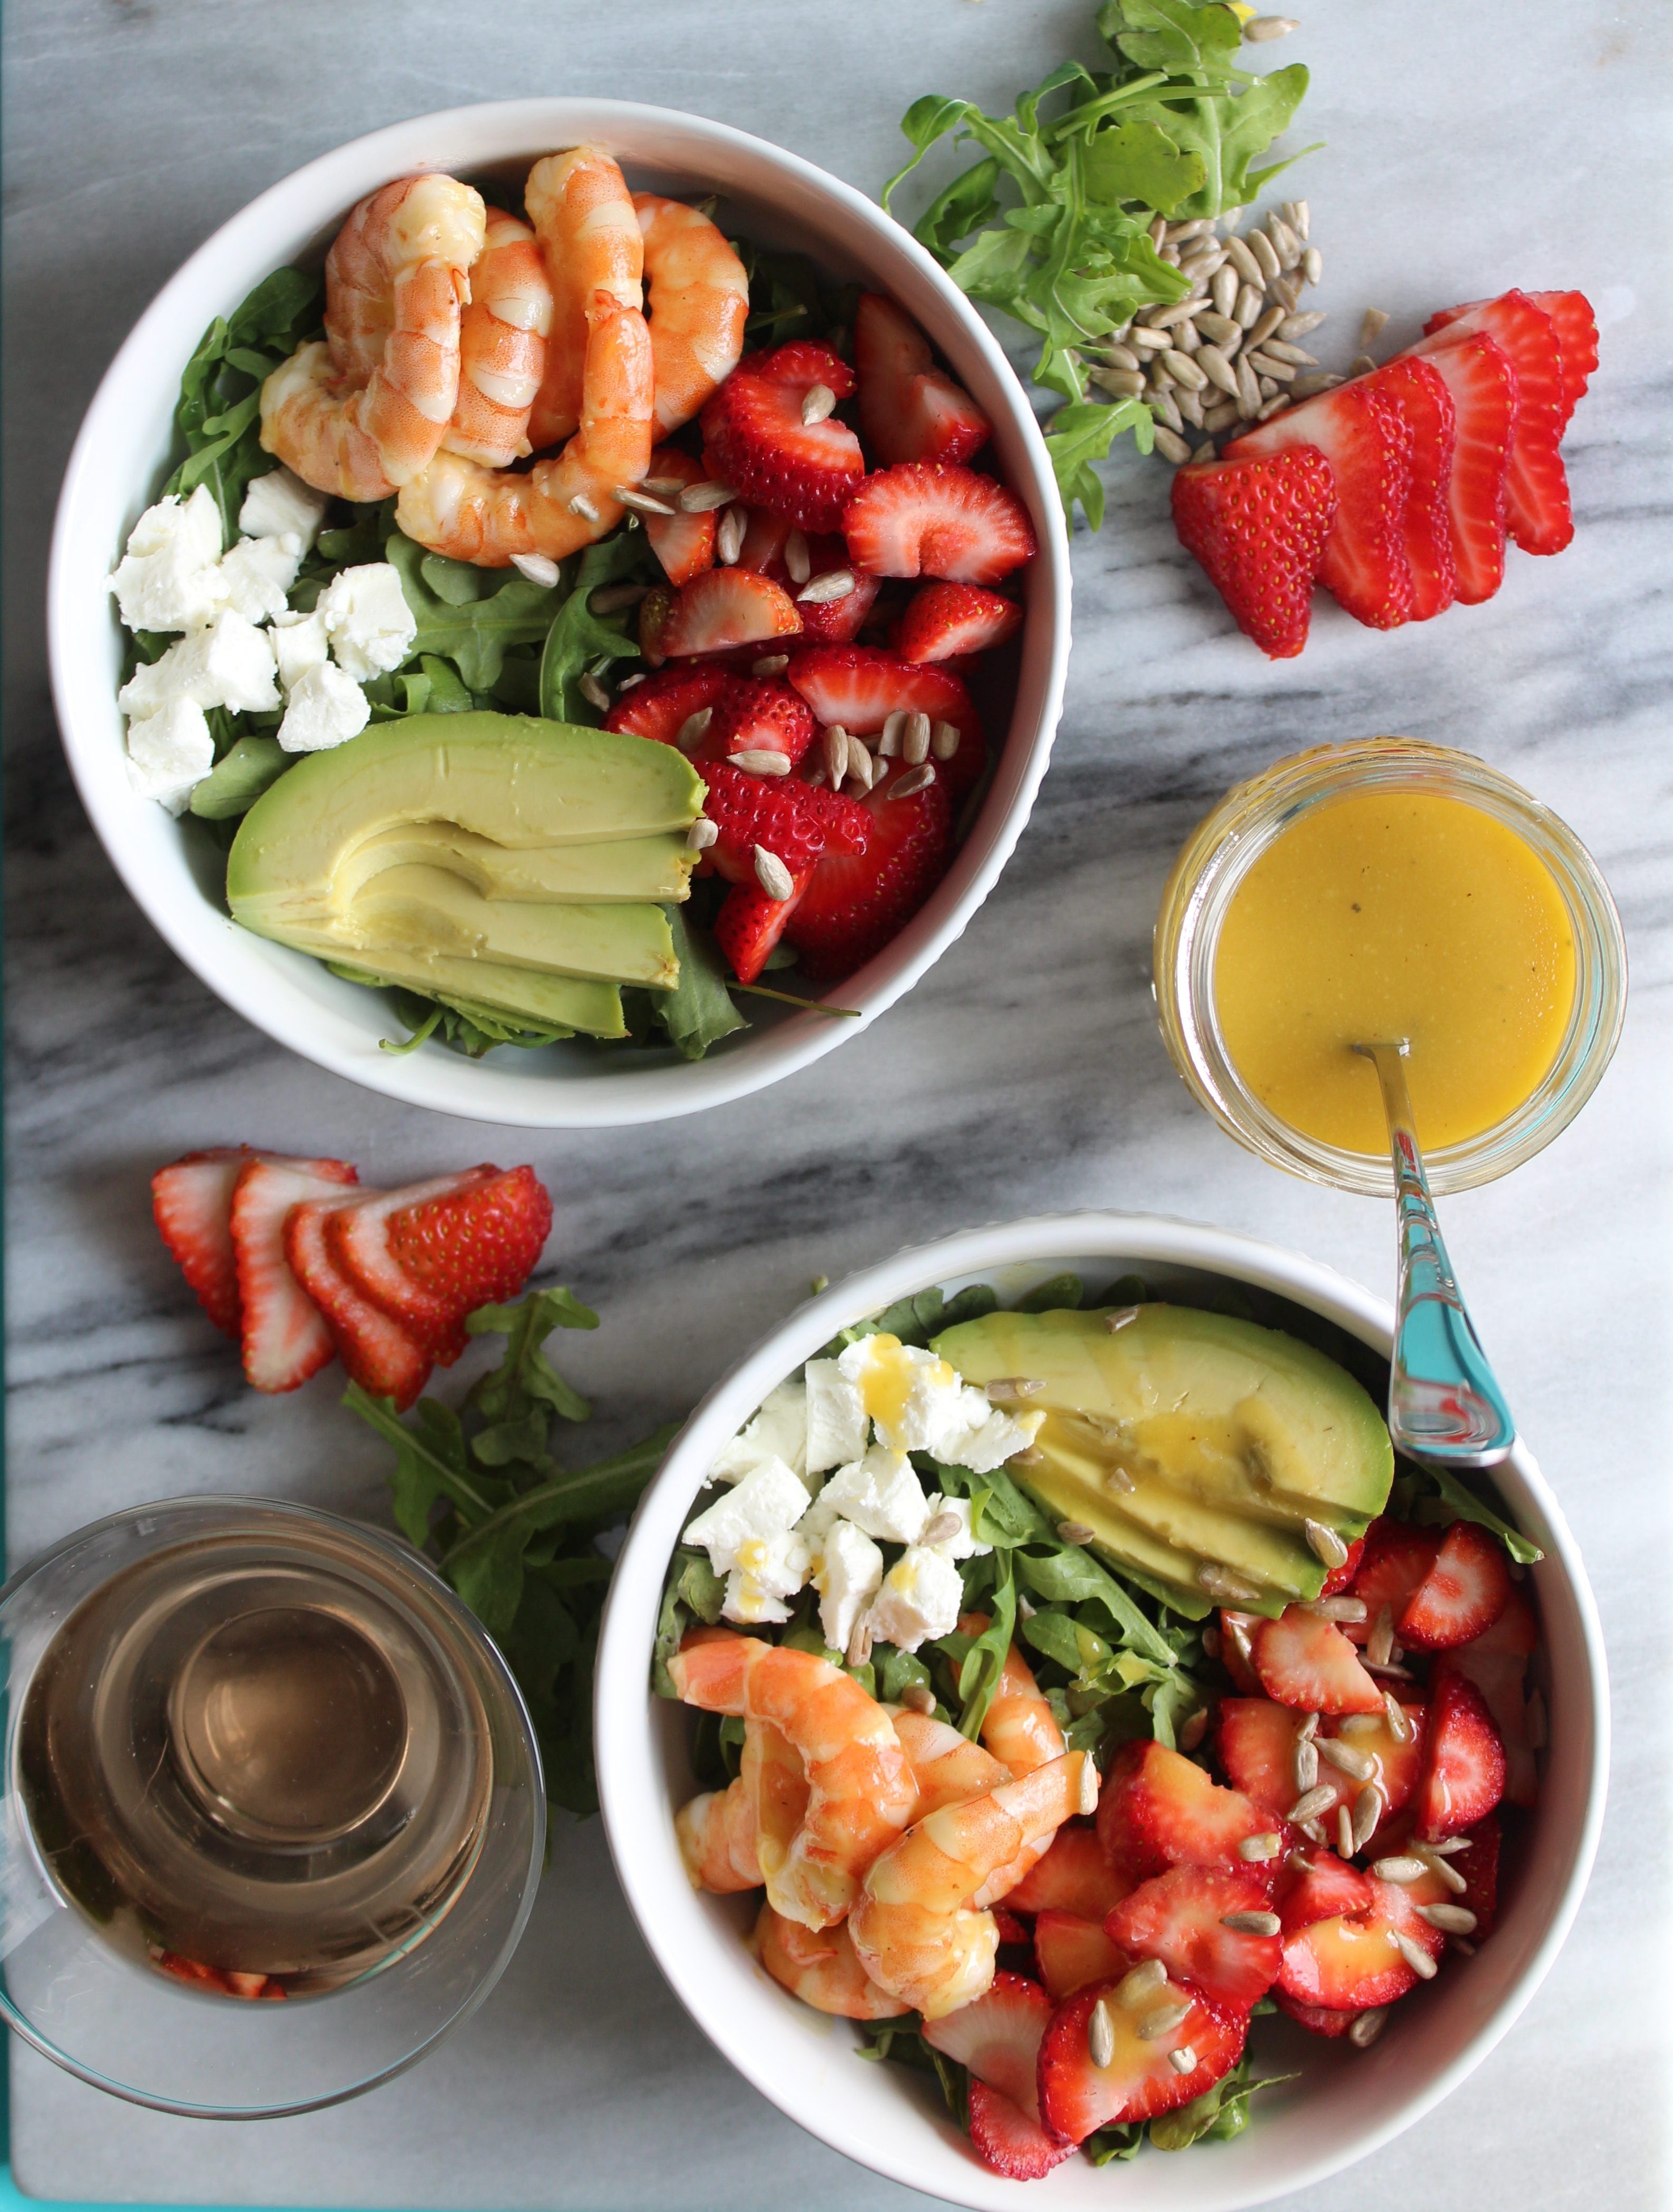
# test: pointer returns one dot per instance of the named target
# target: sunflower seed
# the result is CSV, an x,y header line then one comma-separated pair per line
x,y
1414,1953
1207,451
1224,1586
1440,1867
1221,416
1276,349
1400,1726
1187,337
1164,2021
1178,232
1240,1644
1251,1924
1229,218
860,1644
1367,2027
1449,1846
1181,311
1309,387
1100,2035
612,598
894,728
1335,1609
1240,258
914,740
1216,369
1144,340
1534,1723
1269,389
796,560
640,501
583,506
1286,244
771,872
1298,216
835,583
1287,290
592,691
909,786
1119,1481
836,746
944,740
701,836
1260,28
1344,1833
759,761
818,402
1262,327
1360,1764
729,537
1219,330
1249,392
1324,1543
1451,1919
1224,290
1182,2059
1393,1670
1381,1639
628,682
1262,1847
1075,1532
1369,1808
863,770
943,1526
1171,445
1087,1799
918,1698
694,729
1120,357
1399,1869
1160,402
1265,255
664,487
1312,264
1304,1764
703,498
770,664
1140,1984
1122,1317
1298,1862
1461,1945
538,568
1194,1729
1311,1803
1159,233
1190,408
1119,383
1201,269
1308,1729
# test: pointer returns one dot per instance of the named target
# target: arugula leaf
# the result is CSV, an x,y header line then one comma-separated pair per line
x,y
1220,2112
578,637
700,1010
981,1659
473,634
1456,1503
525,1377
1070,1576
239,778
217,414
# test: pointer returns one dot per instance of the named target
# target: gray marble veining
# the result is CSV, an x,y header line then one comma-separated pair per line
x,y
1468,148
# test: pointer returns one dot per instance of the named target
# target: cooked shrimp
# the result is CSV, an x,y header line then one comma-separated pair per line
x,y
915,1930
860,1789
363,413
716,1834
776,1780
819,1967
1021,1730
698,300
488,516
589,238
502,346
947,1768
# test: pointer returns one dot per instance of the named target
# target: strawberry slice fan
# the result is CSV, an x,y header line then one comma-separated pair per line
x,y
293,1258
1397,491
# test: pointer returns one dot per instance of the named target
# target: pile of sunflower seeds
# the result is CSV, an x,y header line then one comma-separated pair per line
x,y
1229,355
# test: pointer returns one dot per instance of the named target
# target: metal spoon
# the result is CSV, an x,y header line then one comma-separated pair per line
x,y
1444,1403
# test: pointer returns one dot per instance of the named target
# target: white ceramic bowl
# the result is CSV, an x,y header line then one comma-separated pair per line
x,y
118,464
1346,2103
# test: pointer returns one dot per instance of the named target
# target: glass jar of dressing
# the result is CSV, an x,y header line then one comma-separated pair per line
x,y
1388,888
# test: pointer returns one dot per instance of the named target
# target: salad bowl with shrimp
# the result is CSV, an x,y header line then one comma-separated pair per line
x,y
1091,1866
554,431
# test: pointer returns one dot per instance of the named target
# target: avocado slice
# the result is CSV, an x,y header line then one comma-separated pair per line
x,y
567,1002
434,911
654,868
1210,1436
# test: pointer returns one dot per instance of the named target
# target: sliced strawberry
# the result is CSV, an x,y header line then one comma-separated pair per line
x,y
1478,1866
1077,2096
1368,444
1497,1663
1419,391
1577,342
1073,1878
754,437
716,612
359,1240
1396,1558
997,2036
1157,1810
1237,1650
1339,1578
683,543
1347,1960
856,902
1461,1596
910,410
1464,1766
1537,506
860,686
478,1245
285,1335
1258,526
1011,1930
1180,1918
750,922
765,536
760,713
1481,384
191,1201
664,703
795,820
1007,2141
834,622
946,620
1399,1758
1328,1888
1256,1743
378,1352
929,519
1309,1663
1317,2019
1073,1952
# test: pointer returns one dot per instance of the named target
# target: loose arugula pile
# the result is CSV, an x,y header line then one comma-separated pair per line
x,y
1057,213
1115,1662
514,1531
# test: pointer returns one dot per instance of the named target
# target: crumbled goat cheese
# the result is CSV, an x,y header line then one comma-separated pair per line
x,y
880,1494
768,1502
257,574
837,1423
170,578
847,1578
300,643
921,1597
326,708
961,1544
779,1430
169,752
279,505
367,619
229,664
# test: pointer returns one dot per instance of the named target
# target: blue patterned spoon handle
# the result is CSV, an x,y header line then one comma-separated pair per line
x,y
1444,1403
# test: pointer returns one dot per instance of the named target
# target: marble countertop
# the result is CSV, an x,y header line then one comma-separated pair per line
x,y
1467,149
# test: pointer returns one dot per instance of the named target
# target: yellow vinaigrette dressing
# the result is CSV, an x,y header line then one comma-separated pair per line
x,y
1397,913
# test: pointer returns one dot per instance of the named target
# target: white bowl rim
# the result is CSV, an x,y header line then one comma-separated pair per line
x,y
622,1697
615,1097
